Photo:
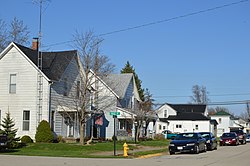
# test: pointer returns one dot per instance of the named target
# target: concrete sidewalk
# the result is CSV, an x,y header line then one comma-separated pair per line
x,y
131,152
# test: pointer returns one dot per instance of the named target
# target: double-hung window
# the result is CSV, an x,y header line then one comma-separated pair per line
x,y
12,88
26,120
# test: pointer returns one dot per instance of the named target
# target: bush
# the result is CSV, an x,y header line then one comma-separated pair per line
x,y
159,137
26,139
60,139
44,133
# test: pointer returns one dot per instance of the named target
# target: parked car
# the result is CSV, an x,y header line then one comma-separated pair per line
x,y
248,138
168,134
211,141
3,141
230,138
188,142
242,136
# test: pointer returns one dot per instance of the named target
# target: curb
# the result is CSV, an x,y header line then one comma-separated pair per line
x,y
149,156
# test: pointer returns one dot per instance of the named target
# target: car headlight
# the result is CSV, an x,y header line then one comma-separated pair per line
x,y
171,144
191,144
208,141
234,139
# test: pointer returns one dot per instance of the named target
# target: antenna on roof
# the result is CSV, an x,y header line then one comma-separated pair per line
x,y
39,65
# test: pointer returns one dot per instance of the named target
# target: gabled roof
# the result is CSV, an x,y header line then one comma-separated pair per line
x,y
188,116
196,108
54,64
120,83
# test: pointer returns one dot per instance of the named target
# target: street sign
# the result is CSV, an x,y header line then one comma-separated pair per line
x,y
114,113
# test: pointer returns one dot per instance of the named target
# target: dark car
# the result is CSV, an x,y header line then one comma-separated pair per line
x,y
3,141
242,136
248,138
230,138
211,141
187,142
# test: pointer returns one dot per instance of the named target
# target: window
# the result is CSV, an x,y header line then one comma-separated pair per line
x,y
196,127
12,83
164,127
165,113
159,127
219,120
178,126
26,120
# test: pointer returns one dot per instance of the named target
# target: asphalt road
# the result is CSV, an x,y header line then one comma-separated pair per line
x,y
224,156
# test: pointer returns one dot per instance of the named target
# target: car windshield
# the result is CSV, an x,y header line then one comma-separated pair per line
x,y
228,135
185,136
238,131
205,135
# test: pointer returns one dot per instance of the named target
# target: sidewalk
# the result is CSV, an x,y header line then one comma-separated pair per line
x,y
131,151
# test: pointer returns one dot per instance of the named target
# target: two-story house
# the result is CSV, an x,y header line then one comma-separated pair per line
x,y
180,118
226,121
31,94
114,94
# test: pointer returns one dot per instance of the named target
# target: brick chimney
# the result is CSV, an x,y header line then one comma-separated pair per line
x,y
35,44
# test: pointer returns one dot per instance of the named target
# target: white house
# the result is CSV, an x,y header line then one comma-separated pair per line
x,y
52,93
31,95
226,122
180,118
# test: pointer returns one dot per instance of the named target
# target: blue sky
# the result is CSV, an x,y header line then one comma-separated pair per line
x,y
210,49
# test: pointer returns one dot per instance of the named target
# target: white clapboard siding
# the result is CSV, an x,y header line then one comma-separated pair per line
x,y
26,91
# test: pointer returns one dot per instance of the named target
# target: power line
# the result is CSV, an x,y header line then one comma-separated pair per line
x,y
232,94
220,103
158,22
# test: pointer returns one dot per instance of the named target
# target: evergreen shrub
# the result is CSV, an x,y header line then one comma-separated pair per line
x,y
26,139
44,133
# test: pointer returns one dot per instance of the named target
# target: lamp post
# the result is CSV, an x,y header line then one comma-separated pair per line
x,y
135,123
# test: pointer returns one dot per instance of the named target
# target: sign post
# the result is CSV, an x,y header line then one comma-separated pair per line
x,y
114,114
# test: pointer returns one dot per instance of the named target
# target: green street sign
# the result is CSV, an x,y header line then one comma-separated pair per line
x,y
114,113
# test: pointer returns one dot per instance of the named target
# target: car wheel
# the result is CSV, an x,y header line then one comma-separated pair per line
x,y
196,149
215,148
205,148
244,142
171,153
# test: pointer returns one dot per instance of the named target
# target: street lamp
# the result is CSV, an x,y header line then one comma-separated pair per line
x,y
135,123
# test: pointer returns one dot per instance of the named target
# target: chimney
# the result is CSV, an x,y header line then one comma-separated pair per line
x,y
35,44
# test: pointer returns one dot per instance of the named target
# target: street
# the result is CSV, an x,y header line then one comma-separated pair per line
x,y
224,156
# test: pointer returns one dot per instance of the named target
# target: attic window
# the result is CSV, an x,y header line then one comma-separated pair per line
x,y
165,113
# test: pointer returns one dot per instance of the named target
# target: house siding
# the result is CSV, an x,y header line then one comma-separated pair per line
x,y
189,126
224,123
25,97
65,106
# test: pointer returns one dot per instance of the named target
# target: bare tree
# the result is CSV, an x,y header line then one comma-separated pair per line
x,y
246,114
16,32
200,95
3,35
144,113
212,111
94,67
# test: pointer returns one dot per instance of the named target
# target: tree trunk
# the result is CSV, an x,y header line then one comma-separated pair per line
x,y
82,133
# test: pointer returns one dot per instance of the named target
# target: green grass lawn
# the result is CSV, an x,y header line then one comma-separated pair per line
x,y
75,150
